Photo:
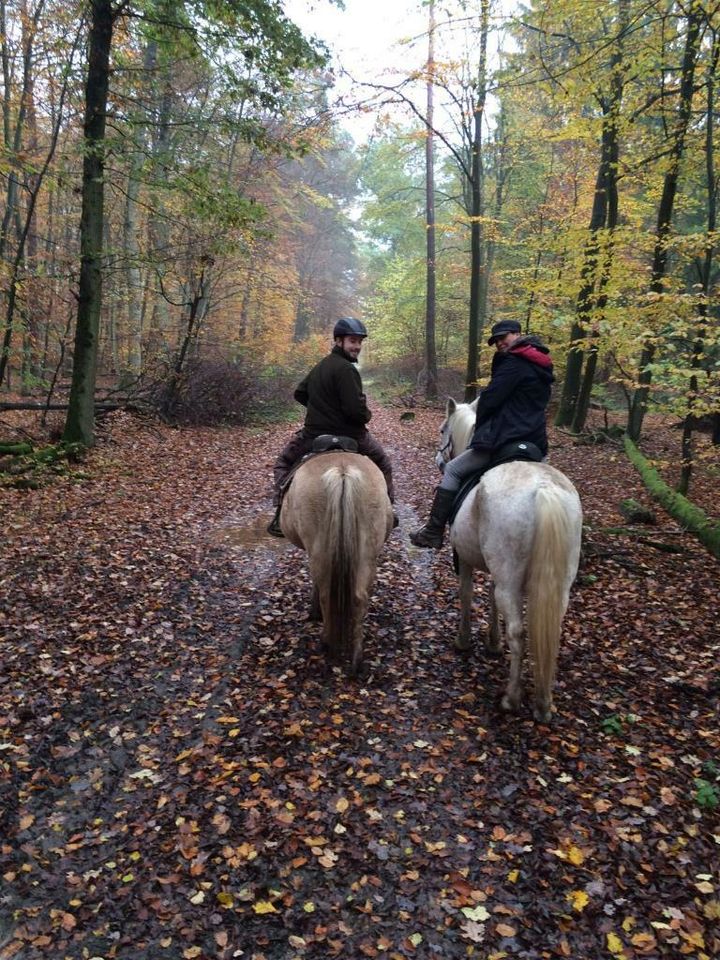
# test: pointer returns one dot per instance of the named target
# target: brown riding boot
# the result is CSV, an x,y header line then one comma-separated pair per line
x,y
431,535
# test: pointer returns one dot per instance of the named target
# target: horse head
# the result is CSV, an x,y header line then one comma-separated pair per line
x,y
455,430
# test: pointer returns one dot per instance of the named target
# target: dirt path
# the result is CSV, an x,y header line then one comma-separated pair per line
x,y
183,776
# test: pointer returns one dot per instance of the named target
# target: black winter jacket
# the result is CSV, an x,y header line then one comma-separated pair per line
x,y
333,395
513,405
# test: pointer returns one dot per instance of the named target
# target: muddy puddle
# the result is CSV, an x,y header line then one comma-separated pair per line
x,y
249,537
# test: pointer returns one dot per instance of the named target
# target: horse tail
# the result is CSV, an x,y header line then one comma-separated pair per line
x,y
342,533
548,585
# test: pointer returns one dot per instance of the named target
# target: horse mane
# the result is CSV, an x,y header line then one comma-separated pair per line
x,y
462,423
342,533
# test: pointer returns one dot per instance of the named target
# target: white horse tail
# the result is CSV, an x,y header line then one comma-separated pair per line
x,y
548,585
342,540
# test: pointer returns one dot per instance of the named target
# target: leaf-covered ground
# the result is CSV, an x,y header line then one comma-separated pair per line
x,y
182,776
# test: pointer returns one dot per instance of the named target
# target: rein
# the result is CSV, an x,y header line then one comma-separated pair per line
x,y
444,450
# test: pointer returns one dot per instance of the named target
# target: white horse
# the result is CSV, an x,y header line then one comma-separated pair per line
x,y
523,525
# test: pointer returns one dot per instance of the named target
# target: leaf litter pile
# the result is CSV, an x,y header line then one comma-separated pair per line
x,y
181,775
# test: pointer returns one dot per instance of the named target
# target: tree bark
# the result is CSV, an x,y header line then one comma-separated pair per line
x,y
80,422
638,406
575,398
611,153
476,212
698,348
13,181
430,285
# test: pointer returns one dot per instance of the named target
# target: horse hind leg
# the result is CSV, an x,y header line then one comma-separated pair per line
x,y
463,641
357,666
493,639
510,606
315,612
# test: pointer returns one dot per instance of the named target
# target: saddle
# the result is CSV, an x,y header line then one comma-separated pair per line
x,y
325,443
515,450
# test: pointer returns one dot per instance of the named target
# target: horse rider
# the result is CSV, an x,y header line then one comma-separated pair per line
x,y
511,407
333,395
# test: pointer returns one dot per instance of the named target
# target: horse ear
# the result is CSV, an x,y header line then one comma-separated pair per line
x,y
451,407
473,405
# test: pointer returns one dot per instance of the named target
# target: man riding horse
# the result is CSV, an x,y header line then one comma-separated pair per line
x,y
511,407
333,395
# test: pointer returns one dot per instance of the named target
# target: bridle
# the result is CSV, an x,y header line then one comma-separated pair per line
x,y
445,449
444,453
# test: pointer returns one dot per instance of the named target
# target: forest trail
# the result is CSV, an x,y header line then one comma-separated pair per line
x,y
183,776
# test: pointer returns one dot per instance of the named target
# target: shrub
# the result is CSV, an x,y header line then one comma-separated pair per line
x,y
207,392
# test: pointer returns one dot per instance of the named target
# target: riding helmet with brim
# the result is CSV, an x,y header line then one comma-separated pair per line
x,y
349,327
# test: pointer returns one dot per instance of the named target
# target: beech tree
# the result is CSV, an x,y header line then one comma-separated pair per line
x,y
694,21
598,248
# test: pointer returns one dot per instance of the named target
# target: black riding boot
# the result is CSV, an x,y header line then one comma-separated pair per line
x,y
273,528
431,535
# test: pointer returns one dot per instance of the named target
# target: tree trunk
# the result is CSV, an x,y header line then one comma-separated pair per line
x,y
80,423
575,398
158,228
476,213
688,451
14,147
638,406
430,297
586,300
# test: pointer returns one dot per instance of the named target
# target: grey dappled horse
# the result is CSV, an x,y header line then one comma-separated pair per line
x,y
522,524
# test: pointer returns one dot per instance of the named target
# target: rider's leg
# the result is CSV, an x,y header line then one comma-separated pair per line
x,y
463,466
370,447
297,446
456,471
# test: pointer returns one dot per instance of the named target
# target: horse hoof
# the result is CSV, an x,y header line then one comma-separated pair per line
x,y
542,714
361,672
463,645
509,705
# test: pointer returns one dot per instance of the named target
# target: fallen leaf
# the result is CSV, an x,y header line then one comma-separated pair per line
x,y
476,914
473,931
578,899
264,906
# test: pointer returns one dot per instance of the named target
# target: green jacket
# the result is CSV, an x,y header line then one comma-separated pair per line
x,y
333,395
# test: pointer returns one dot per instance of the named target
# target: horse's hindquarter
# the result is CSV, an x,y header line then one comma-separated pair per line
x,y
495,527
305,511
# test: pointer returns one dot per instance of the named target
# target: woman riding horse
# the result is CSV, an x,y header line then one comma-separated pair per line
x,y
511,407
522,524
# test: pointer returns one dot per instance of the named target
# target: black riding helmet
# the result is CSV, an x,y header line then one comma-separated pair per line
x,y
349,327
